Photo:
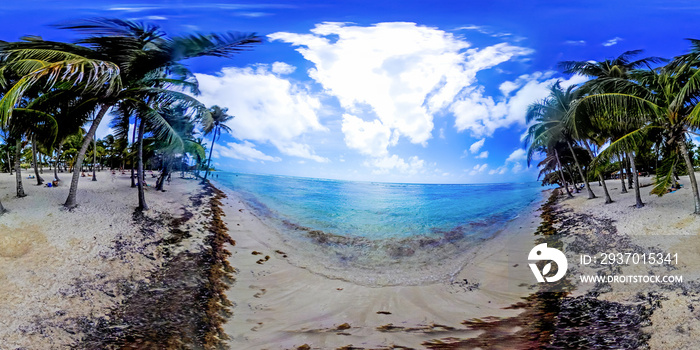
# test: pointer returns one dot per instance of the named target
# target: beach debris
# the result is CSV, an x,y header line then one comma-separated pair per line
x,y
343,326
429,328
304,347
261,261
284,255
384,312
465,285
339,289
183,304
255,252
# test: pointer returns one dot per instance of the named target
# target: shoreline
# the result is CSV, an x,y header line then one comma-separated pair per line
x,y
407,260
283,305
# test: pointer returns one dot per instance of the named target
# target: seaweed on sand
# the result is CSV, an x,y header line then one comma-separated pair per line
x,y
551,319
184,305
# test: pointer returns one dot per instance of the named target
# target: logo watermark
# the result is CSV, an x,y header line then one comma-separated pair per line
x,y
542,252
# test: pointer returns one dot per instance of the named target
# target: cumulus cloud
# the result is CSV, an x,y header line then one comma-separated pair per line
x,y
517,155
498,171
476,146
244,151
267,108
392,78
481,115
282,68
479,168
517,167
394,163
612,41
483,155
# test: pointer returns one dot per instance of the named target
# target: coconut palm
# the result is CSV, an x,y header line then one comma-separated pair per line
x,y
214,122
663,99
605,74
550,114
146,60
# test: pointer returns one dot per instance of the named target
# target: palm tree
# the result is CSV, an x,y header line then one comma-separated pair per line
x,y
603,73
550,114
214,122
184,124
138,51
663,99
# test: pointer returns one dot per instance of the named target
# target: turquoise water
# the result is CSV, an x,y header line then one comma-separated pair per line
x,y
383,210
380,233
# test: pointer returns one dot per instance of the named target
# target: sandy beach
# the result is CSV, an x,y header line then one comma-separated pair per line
x,y
64,275
74,278
674,323
280,304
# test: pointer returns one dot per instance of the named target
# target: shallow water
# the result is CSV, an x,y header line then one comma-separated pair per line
x,y
381,233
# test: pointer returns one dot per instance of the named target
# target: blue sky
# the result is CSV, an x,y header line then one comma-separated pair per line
x,y
399,91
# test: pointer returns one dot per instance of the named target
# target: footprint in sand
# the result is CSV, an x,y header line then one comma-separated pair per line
x,y
257,326
260,293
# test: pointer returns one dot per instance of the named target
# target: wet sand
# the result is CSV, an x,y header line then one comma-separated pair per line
x,y
284,303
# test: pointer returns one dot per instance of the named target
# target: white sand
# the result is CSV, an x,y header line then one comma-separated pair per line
x,y
56,266
675,325
281,305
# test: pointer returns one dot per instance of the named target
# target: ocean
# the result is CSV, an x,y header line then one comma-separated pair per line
x,y
369,226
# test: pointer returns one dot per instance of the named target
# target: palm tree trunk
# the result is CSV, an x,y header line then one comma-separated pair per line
x,y
591,195
9,160
561,174
55,172
94,158
601,180
622,179
213,140
18,170
637,195
691,175
630,183
72,193
142,196
39,180
133,138
163,173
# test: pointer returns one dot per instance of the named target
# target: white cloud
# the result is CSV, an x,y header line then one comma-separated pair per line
x,y
267,108
156,18
500,170
391,78
476,146
479,168
482,115
244,151
612,41
517,167
394,163
517,155
575,42
282,68
370,138
483,155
